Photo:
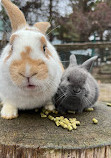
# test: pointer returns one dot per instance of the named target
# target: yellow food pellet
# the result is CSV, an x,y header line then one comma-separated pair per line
x,y
47,112
69,128
51,117
65,126
89,109
43,115
57,118
108,104
71,112
74,126
54,119
57,123
61,117
55,112
66,121
72,119
95,121
77,123
61,123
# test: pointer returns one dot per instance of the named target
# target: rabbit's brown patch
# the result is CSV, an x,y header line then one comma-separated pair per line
x,y
9,55
25,54
11,43
44,43
37,67
13,38
48,53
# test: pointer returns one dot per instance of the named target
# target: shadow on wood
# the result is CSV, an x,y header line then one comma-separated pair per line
x,y
30,136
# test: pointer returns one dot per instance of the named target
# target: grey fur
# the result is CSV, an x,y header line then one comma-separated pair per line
x,y
78,88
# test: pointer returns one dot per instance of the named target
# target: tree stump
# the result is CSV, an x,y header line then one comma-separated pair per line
x,y
30,136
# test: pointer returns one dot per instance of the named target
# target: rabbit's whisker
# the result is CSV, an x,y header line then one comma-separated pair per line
x,y
53,30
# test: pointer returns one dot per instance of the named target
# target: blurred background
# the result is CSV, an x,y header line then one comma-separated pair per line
x,y
80,27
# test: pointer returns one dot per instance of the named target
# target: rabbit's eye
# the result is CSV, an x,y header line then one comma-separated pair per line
x,y
68,79
44,48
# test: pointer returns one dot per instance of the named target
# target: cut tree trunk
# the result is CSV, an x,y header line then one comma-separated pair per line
x,y
30,136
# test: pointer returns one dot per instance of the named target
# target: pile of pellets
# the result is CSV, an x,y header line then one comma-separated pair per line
x,y
66,123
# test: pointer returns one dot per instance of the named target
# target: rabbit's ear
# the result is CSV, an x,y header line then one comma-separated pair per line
x,y
89,63
73,60
16,16
42,26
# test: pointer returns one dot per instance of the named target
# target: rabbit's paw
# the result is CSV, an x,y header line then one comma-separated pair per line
x,y
50,106
9,112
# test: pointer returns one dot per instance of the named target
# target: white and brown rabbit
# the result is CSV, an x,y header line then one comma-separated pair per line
x,y
78,88
30,68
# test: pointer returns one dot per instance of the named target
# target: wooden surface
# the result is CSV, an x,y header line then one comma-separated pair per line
x,y
30,136
84,45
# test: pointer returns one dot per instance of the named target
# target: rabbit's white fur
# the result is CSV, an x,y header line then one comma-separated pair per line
x,y
29,75
15,97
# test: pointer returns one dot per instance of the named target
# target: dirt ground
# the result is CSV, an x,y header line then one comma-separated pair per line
x,y
105,92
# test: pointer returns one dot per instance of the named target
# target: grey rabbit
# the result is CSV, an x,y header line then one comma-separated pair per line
x,y
78,89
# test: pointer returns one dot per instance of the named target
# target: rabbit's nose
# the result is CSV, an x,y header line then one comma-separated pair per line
x,y
76,90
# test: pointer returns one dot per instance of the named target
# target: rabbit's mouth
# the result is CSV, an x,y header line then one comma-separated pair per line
x,y
31,86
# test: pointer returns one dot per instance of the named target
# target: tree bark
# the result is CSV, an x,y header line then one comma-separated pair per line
x,y
17,152
50,17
